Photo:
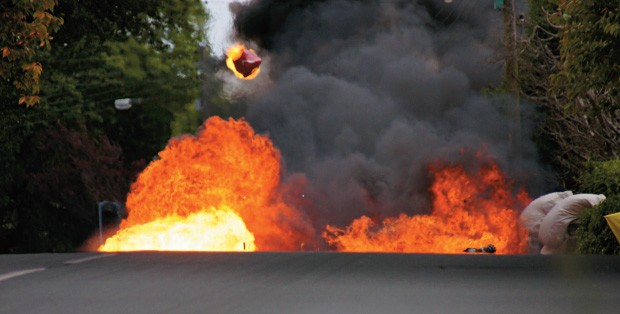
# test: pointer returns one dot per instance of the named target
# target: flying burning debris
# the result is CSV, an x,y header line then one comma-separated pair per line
x,y
468,211
243,62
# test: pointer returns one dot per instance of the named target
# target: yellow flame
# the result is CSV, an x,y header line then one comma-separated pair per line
x,y
209,230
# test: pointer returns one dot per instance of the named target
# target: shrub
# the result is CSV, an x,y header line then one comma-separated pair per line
x,y
594,235
602,177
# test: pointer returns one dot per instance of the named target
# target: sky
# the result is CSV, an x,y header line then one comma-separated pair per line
x,y
220,26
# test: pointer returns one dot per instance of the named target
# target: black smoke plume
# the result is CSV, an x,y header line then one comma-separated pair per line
x,y
367,94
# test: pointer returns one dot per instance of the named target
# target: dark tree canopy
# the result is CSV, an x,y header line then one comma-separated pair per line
x,y
74,148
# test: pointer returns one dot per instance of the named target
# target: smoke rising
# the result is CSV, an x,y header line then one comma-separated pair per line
x,y
366,94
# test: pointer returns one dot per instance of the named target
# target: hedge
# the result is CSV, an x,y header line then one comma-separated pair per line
x,y
594,235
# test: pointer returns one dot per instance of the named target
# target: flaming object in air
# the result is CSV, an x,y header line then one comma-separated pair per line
x,y
243,62
211,192
469,210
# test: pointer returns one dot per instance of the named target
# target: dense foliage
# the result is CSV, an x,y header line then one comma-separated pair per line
x,y
601,178
589,37
594,235
26,28
570,67
71,148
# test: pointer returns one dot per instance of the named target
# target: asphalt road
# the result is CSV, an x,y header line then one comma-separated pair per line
x,y
302,282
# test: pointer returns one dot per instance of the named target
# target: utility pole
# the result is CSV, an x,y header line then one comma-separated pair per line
x,y
512,78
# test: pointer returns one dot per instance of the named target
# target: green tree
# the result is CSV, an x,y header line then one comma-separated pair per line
x,y
589,38
74,148
26,28
570,66
594,235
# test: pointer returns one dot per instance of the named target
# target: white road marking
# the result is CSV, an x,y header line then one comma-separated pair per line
x,y
86,259
19,273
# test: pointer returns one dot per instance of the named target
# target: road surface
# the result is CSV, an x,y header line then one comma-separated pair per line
x,y
304,282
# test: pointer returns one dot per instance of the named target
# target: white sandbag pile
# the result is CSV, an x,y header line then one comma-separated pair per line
x,y
533,214
553,231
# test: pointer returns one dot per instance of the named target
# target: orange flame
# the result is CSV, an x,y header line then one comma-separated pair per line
x,y
235,52
220,191
205,190
468,211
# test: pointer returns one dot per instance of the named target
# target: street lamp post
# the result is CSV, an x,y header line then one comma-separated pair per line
x,y
114,213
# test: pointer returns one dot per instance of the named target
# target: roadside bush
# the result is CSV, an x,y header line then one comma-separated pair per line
x,y
594,235
601,178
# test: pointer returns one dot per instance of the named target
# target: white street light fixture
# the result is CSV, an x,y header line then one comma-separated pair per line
x,y
126,103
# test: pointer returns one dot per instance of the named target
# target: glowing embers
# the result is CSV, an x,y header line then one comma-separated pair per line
x,y
469,210
243,62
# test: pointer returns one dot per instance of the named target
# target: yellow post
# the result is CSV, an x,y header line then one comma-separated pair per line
x,y
613,220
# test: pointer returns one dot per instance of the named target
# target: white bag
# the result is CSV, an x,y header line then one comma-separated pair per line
x,y
553,229
533,214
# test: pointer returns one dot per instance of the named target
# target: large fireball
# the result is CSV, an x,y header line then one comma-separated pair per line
x,y
213,192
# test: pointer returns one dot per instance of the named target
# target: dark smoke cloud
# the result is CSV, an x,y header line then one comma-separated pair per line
x,y
367,93
262,21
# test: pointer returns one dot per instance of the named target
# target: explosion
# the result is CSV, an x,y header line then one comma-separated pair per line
x,y
243,62
468,211
220,191
211,192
